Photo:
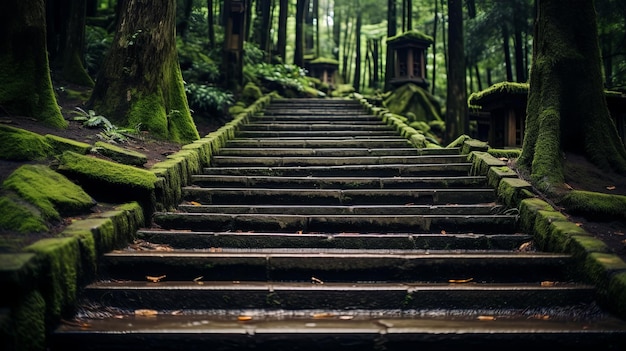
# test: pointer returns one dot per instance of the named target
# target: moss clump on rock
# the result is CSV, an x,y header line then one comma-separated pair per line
x,y
119,154
410,98
61,144
20,217
52,193
595,205
22,145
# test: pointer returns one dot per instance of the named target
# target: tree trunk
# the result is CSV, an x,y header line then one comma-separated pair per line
x,y
73,70
507,53
282,29
567,110
520,66
435,21
298,54
26,85
182,17
140,83
392,27
409,15
357,56
211,24
338,14
456,101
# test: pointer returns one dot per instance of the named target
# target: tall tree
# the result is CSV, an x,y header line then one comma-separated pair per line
x,y
392,28
140,82
567,110
356,83
457,122
283,14
26,87
298,54
73,68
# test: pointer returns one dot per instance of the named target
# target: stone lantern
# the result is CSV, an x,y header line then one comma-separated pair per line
x,y
408,51
325,70
235,20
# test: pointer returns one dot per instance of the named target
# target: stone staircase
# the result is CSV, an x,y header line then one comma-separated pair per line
x,y
318,227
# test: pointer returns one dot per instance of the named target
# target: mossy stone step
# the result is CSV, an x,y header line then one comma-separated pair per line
x,y
337,223
315,133
332,152
186,239
320,143
315,127
340,160
311,118
205,180
397,170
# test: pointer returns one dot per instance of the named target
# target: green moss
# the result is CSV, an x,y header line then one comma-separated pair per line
x,y
121,155
495,174
482,162
511,190
49,191
542,226
22,145
21,218
617,293
410,98
582,245
61,145
595,205
28,316
472,145
458,142
504,153
498,89
325,60
561,233
528,212
411,34
59,260
600,266
251,92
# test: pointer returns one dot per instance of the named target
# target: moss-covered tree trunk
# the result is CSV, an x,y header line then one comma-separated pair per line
x,y
567,110
140,83
73,69
26,87
457,122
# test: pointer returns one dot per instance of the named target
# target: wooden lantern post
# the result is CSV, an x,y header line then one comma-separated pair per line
x,y
409,62
235,19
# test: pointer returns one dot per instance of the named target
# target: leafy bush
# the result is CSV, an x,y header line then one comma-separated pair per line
x,y
208,100
110,132
281,78
97,42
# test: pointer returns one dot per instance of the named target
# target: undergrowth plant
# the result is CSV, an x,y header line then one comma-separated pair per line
x,y
110,132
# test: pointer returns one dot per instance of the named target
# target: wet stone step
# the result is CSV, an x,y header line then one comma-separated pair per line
x,y
320,143
206,180
344,152
270,196
316,133
404,170
275,161
339,265
315,127
344,330
337,223
201,294
298,119
408,209
402,241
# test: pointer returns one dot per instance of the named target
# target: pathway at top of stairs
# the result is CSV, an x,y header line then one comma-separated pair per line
x,y
319,227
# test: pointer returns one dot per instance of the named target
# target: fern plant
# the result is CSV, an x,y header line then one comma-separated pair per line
x,y
110,132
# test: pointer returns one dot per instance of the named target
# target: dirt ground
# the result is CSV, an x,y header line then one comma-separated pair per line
x,y
581,174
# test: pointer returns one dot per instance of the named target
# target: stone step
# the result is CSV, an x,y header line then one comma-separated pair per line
x,y
273,265
206,180
337,223
326,152
186,239
343,142
359,119
316,133
397,170
328,126
277,161
336,197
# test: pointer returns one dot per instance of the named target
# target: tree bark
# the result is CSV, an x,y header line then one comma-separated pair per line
x,y
357,56
26,88
567,110
140,83
298,54
392,28
73,70
457,122
282,29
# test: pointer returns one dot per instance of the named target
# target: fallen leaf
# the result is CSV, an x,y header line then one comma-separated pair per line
x,y
146,313
486,318
525,247
215,249
316,281
322,315
346,318
244,318
568,186
548,283
443,232
611,187
155,279
460,281
299,232
177,312
578,224
196,279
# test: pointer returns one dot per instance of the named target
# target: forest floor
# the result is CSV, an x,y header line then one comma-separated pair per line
x,y
581,175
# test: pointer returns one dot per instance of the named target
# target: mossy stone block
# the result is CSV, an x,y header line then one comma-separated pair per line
x,y
482,161
17,274
22,145
59,260
52,193
582,245
511,190
418,140
594,205
192,163
110,181
203,148
21,217
120,154
474,145
495,174
528,209
561,232
617,293
61,145
26,323
599,267
543,222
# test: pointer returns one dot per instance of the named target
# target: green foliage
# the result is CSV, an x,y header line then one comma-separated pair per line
x,y
97,42
253,55
110,132
208,100
281,78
